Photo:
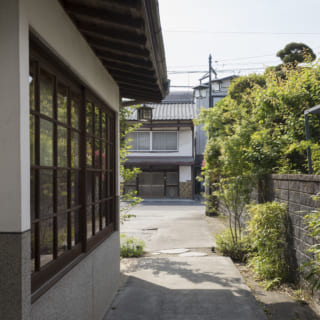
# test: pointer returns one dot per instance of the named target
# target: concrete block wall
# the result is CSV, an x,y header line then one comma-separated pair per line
x,y
298,192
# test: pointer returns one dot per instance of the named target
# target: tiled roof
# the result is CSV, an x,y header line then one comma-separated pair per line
x,y
179,97
178,105
170,111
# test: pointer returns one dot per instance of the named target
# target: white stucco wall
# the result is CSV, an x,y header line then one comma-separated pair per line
x,y
48,19
184,147
49,22
184,173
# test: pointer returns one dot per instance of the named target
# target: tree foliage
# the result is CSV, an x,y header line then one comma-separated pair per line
x,y
258,128
126,173
295,53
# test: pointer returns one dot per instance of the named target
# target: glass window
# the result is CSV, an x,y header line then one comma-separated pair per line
x,y
153,141
164,141
67,161
140,141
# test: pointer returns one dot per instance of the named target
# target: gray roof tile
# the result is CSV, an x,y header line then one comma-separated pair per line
x,y
170,111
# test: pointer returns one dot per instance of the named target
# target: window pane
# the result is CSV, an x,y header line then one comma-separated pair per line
x,y
97,186
75,105
62,100
46,141
75,188
97,122
62,185
97,163
74,149
32,139
143,140
103,126
104,213
103,155
46,93
75,235
31,86
140,141
89,187
46,192
89,152
89,123
97,218
33,253
46,242
89,221
32,194
62,233
62,147
164,141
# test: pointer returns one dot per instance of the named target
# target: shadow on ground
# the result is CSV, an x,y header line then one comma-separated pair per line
x,y
165,266
289,311
142,300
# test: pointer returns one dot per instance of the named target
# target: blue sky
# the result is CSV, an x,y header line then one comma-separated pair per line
x,y
243,36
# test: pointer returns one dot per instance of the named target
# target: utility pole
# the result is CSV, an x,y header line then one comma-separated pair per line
x,y
210,85
208,187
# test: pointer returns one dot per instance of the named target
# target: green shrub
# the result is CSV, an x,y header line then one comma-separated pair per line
x,y
313,266
236,250
131,247
267,229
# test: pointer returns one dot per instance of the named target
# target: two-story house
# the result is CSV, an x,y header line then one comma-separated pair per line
x,y
164,149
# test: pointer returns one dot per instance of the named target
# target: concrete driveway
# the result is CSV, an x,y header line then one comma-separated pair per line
x,y
164,286
166,226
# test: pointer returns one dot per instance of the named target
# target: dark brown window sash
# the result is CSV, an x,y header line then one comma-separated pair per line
x,y
45,276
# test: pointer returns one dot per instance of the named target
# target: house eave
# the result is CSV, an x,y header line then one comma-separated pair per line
x,y
126,36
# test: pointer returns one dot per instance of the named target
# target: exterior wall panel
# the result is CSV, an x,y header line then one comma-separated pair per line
x,y
87,290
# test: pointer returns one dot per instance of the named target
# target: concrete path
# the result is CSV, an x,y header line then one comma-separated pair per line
x,y
175,287
177,225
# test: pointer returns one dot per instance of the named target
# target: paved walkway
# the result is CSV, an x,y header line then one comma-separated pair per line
x,y
177,286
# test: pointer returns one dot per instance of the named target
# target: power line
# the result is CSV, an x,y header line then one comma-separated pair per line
x,y
243,32
218,70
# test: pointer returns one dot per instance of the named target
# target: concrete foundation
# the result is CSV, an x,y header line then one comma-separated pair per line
x,y
87,290
185,189
15,293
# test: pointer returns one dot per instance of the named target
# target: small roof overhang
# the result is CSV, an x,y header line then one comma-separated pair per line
x,y
126,36
186,161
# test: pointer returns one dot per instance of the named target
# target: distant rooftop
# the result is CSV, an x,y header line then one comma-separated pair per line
x,y
178,105
179,97
206,84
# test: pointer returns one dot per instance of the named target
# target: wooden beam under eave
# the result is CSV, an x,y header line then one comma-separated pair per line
x,y
112,40
110,45
128,67
104,15
123,58
143,95
123,73
110,31
107,51
135,84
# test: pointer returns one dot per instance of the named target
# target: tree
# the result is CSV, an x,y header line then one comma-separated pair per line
x,y
127,174
295,53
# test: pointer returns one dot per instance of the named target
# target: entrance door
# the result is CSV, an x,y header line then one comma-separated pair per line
x,y
151,184
159,184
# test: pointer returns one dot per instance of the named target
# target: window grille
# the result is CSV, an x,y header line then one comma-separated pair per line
x,y
72,154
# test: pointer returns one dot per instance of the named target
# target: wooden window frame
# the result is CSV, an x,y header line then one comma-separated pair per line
x,y
44,277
